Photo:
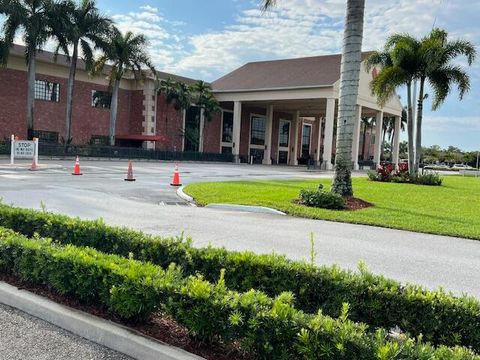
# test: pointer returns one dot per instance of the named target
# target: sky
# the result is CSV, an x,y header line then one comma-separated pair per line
x,y
209,38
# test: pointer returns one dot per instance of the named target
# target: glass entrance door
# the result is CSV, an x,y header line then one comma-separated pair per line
x,y
306,138
257,139
283,141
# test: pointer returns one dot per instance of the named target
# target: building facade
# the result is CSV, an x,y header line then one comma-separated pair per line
x,y
273,112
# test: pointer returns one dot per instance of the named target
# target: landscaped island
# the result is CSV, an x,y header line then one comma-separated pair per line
x,y
450,209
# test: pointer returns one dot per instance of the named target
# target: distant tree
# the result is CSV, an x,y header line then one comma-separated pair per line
x,y
125,54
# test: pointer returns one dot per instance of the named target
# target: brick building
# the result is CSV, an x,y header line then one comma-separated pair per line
x,y
273,111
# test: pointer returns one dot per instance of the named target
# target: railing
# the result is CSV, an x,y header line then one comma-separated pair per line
x,y
121,152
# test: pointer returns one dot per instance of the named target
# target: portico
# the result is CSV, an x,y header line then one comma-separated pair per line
x,y
290,118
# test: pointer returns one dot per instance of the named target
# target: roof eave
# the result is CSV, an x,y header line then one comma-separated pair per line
x,y
272,89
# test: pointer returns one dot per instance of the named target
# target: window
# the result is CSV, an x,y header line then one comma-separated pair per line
x,y
306,132
192,129
101,99
257,131
284,134
227,127
46,90
99,140
46,136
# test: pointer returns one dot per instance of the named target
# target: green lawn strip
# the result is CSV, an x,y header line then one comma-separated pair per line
x,y
451,209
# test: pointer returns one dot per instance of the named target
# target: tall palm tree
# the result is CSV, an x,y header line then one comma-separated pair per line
x,y
398,66
125,54
79,25
428,60
437,54
32,18
349,79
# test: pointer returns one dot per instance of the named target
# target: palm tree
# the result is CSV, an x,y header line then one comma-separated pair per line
x,y
32,17
428,60
437,54
349,79
79,26
125,54
398,67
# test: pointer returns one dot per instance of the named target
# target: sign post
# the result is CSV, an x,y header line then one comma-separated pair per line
x,y
23,149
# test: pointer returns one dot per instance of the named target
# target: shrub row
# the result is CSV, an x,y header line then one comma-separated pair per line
x,y
267,328
375,300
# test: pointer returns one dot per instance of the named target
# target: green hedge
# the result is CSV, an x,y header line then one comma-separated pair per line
x,y
375,300
267,328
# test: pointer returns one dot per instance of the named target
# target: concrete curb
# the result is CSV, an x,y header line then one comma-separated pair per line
x,y
246,208
95,329
182,195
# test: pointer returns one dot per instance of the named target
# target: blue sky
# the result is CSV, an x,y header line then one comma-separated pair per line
x,y
206,39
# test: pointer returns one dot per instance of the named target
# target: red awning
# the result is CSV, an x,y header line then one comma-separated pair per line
x,y
140,137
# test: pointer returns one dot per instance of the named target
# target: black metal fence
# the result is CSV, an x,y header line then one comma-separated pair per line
x,y
120,152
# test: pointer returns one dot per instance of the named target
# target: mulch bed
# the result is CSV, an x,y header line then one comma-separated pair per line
x,y
159,326
354,203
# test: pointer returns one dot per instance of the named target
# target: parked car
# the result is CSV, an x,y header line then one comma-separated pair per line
x,y
458,167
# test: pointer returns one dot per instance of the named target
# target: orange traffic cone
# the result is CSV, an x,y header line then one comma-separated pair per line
x,y
130,172
176,177
76,168
34,166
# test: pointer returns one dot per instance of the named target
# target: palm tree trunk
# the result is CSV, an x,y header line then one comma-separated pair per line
x,y
364,139
418,143
113,112
31,92
70,90
347,104
392,138
382,148
410,126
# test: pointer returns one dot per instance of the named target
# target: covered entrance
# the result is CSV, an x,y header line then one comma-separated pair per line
x,y
284,112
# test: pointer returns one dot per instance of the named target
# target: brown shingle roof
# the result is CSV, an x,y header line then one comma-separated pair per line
x,y
62,60
290,73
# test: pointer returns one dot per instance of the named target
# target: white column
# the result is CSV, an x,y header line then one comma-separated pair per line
x,y
318,119
294,154
267,158
201,134
237,122
12,149
378,138
396,141
328,139
356,137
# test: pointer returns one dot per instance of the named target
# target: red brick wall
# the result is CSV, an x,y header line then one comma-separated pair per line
x,y
50,116
211,134
136,112
169,124
13,103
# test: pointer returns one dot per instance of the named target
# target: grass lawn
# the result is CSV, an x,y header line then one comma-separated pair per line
x,y
450,209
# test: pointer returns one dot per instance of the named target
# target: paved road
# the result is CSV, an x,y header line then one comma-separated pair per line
x,y
25,337
410,257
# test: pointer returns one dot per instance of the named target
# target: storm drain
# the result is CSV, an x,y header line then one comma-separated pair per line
x,y
173,203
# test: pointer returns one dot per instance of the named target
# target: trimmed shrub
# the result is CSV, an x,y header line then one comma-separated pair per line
x,y
429,178
387,173
267,328
375,300
322,199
